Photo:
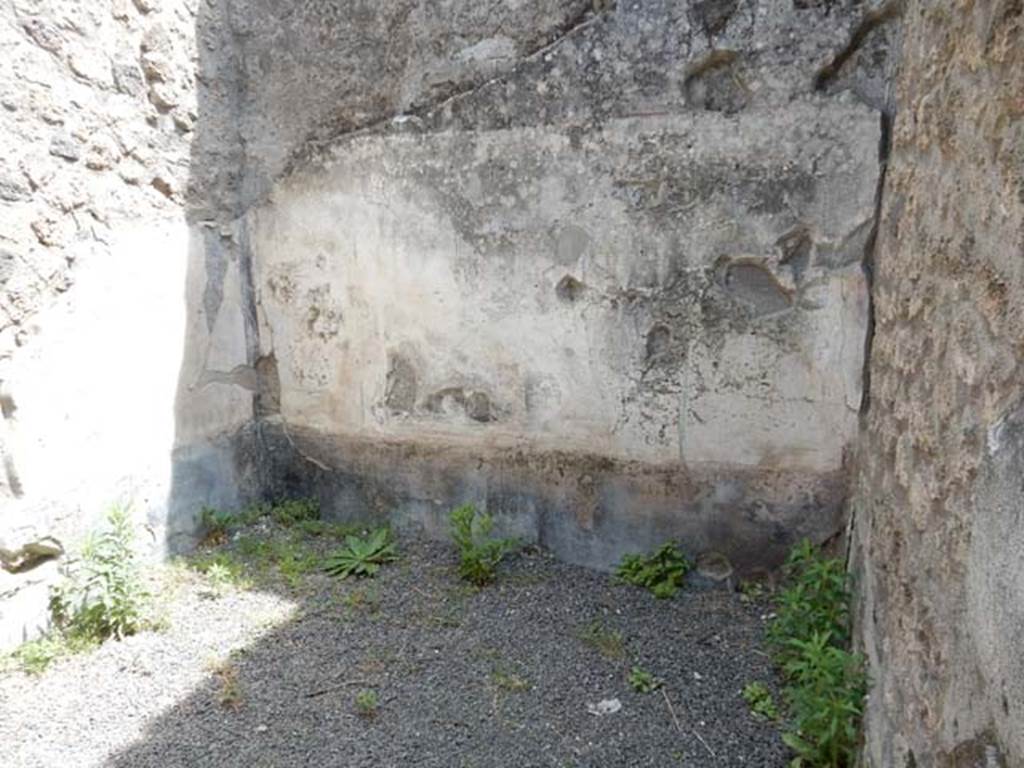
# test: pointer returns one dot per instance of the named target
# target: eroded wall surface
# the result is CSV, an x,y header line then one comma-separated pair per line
x,y
595,265
97,113
939,531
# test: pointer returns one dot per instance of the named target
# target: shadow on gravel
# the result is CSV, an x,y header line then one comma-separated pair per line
x,y
500,676
413,668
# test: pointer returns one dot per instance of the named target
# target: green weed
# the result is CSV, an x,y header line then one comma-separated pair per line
x,y
509,681
760,700
35,656
662,572
294,511
362,557
825,683
364,600
752,591
479,553
328,530
608,642
816,599
643,681
367,703
222,569
102,595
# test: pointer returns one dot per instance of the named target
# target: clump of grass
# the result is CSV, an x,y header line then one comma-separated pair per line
x,y
608,642
35,656
760,700
216,524
229,693
509,682
662,572
295,511
367,703
326,529
362,557
278,552
643,681
294,563
479,553
825,683
222,569
363,600
288,557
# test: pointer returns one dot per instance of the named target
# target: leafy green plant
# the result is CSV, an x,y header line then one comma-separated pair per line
x,y
752,591
825,696
479,553
103,596
294,563
367,703
215,524
816,599
761,702
643,681
293,511
662,572
825,683
608,642
222,569
362,556
35,656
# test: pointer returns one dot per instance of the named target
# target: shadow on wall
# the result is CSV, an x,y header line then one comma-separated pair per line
x,y
698,380
215,458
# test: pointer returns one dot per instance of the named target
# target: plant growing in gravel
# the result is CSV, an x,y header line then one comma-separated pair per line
x,y
293,563
662,572
103,596
816,599
367,703
825,692
366,600
215,524
760,700
230,694
643,681
509,681
328,529
752,591
479,553
222,569
36,656
608,642
293,511
825,683
362,557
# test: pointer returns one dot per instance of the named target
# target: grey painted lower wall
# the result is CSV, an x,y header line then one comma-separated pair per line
x,y
585,508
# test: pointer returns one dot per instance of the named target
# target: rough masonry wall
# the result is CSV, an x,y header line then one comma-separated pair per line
x,y
97,114
596,265
939,528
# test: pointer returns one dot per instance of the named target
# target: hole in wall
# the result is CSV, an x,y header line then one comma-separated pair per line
x,y
569,289
756,286
659,339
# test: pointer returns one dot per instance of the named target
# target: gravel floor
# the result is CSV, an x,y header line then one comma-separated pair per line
x,y
268,676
